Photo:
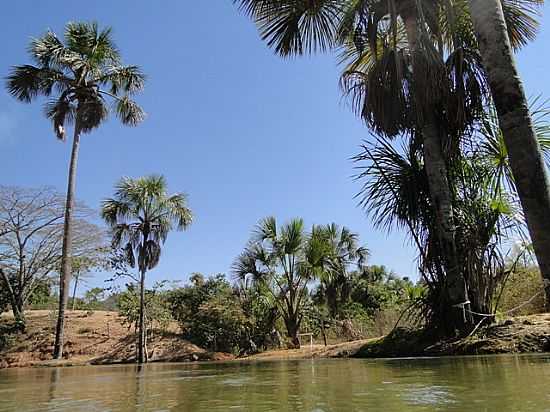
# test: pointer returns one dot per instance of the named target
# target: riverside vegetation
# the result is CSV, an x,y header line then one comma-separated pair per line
x,y
457,160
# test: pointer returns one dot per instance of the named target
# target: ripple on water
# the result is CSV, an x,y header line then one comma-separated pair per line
x,y
427,395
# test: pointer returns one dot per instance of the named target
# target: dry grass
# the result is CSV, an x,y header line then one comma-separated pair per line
x,y
93,337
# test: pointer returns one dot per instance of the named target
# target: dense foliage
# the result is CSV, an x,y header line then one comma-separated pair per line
x,y
157,313
209,313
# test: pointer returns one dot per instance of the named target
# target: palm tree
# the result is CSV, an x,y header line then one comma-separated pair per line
x,y
344,252
79,75
496,43
141,215
395,192
283,259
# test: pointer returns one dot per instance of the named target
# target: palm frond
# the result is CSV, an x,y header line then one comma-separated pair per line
x,y
61,112
394,186
49,51
129,112
142,214
295,27
521,18
380,96
126,79
266,229
27,82
292,236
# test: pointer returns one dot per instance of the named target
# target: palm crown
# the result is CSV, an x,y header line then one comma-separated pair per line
x,y
141,215
80,75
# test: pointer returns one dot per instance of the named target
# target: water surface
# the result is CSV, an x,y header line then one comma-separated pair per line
x,y
507,383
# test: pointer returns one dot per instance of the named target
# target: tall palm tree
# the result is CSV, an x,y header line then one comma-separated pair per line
x,y
496,43
141,215
80,75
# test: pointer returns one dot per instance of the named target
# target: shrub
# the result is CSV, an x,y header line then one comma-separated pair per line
x,y
156,307
210,315
521,286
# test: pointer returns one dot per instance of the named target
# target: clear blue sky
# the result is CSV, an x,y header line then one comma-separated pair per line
x,y
243,132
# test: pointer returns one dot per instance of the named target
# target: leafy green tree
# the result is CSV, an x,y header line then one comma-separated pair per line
x,y
79,74
157,309
186,301
210,314
141,215
93,297
261,309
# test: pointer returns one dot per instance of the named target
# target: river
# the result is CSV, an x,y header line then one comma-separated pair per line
x,y
497,383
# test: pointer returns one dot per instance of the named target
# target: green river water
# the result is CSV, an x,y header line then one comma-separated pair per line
x,y
498,383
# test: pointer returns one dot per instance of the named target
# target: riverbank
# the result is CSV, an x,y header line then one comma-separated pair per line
x,y
100,338
97,337
521,334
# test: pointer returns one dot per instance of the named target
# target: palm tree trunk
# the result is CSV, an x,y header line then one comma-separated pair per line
x,y
74,292
142,337
292,328
440,191
440,195
525,156
66,267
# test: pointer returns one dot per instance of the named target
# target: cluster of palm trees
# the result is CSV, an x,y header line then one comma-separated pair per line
x,y
427,73
283,260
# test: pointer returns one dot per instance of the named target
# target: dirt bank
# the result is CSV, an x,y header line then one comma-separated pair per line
x,y
93,338
521,334
339,350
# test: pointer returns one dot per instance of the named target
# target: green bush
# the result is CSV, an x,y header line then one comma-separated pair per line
x,y
157,311
210,315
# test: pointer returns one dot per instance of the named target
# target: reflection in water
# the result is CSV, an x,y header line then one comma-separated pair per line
x,y
453,384
54,379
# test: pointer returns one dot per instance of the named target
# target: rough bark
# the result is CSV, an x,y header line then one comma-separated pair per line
x,y
74,292
16,301
66,254
142,358
526,160
438,182
292,328
441,198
